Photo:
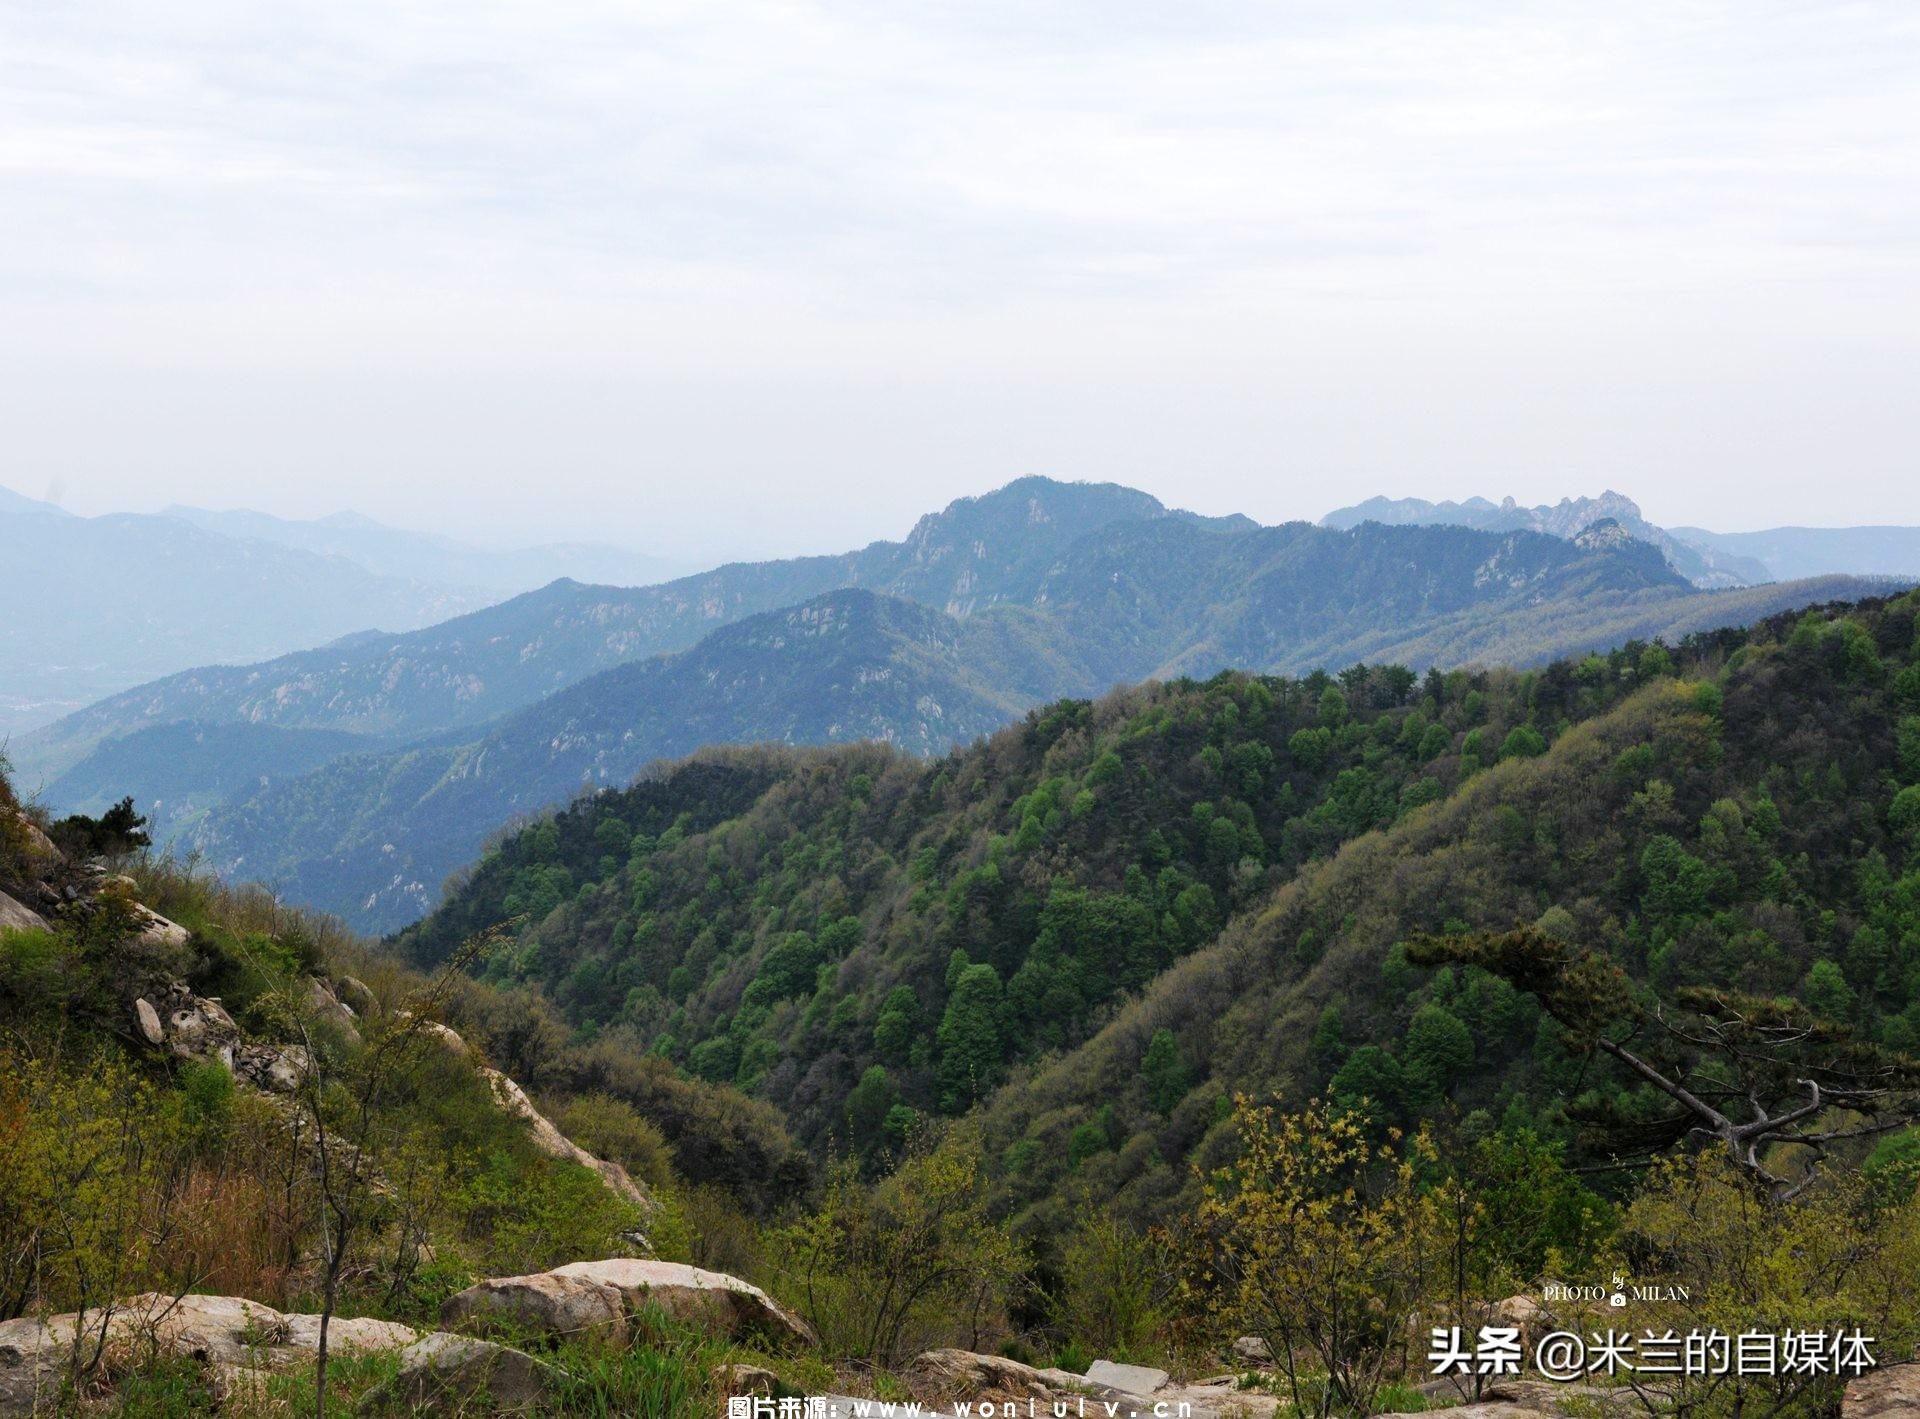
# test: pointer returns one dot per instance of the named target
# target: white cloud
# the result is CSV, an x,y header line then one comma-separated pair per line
x,y
1266,257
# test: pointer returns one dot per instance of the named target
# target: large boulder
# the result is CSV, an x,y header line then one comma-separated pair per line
x,y
327,1008
1252,1350
1890,1392
603,1295
35,851
356,995
15,916
555,1144
456,1374
544,1304
224,1333
31,1356
147,1021
725,1304
152,929
1135,1379
273,1069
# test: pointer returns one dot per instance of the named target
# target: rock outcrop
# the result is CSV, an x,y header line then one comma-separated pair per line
x,y
1252,1350
272,1069
221,1332
1135,1379
195,1027
16,916
1890,1392
327,1008
604,1296
355,994
456,1374
555,1144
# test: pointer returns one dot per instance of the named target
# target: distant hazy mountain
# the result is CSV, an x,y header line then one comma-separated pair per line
x,y
425,556
469,671
107,602
96,604
181,770
1789,552
1704,565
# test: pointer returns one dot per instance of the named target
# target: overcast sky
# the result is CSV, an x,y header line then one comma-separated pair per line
x,y
731,278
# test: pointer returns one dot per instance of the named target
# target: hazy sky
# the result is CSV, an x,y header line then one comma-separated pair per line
x,y
720,277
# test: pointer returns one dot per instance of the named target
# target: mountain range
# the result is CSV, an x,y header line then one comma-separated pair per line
x,y
145,595
1707,559
360,775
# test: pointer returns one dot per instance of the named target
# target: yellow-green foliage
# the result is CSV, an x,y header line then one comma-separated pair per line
x,y
1318,1241
612,1128
1837,1257
89,1158
886,1270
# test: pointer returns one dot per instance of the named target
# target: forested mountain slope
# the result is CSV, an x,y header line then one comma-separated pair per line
x,y
372,835
1131,907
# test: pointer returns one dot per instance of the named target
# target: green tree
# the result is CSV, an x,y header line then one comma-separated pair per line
x,y
969,1038
1826,991
1523,741
1166,1076
1437,1051
898,1023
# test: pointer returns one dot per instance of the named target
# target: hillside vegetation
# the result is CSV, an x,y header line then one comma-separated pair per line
x,y
1318,1009
1134,907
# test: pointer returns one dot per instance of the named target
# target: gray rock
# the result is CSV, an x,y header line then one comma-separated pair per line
x,y
15,916
724,1304
198,1028
35,846
356,995
30,1361
156,930
600,1296
326,1007
543,1304
555,1144
1890,1392
454,1374
1136,1379
272,1068
963,1376
746,1379
225,1333
148,1021
1252,1350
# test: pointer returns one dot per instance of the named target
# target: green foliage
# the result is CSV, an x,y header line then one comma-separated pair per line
x,y
1165,1073
612,1128
882,1271
970,1038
